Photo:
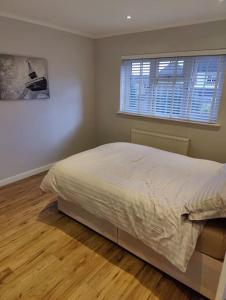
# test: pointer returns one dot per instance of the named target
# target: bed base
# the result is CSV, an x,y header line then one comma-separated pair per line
x,y
203,271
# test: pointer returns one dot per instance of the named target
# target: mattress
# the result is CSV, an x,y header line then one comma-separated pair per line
x,y
212,240
139,189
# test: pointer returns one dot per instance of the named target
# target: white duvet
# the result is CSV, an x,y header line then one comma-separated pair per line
x,y
142,190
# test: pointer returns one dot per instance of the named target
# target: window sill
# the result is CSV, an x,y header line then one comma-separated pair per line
x,y
178,121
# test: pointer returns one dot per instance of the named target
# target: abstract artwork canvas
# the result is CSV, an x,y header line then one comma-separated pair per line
x,y
23,78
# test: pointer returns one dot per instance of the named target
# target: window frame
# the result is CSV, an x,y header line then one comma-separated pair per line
x,y
169,55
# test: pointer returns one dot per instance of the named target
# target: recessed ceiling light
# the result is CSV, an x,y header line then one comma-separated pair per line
x,y
128,17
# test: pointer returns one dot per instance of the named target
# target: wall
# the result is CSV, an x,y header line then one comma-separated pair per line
x,y
206,142
39,132
36,133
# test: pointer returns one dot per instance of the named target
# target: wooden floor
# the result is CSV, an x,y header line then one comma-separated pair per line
x,y
46,255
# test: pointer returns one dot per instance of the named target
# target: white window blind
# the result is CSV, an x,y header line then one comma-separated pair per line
x,y
185,88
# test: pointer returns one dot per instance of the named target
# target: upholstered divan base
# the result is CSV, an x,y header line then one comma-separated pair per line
x,y
203,271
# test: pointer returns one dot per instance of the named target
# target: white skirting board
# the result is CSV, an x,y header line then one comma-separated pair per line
x,y
25,174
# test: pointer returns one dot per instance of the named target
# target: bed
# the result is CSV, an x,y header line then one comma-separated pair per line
x,y
154,203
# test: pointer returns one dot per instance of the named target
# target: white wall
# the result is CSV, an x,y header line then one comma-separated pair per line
x,y
206,142
36,133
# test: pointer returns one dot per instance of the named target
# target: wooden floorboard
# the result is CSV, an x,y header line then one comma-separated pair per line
x,y
47,255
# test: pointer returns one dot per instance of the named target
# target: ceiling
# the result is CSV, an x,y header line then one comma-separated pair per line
x,y
100,18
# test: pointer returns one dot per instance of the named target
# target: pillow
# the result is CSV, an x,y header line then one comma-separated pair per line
x,y
210,201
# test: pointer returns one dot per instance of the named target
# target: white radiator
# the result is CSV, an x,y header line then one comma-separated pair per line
x,y
161,141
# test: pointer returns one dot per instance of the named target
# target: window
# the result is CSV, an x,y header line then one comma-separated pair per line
x,y
183,88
